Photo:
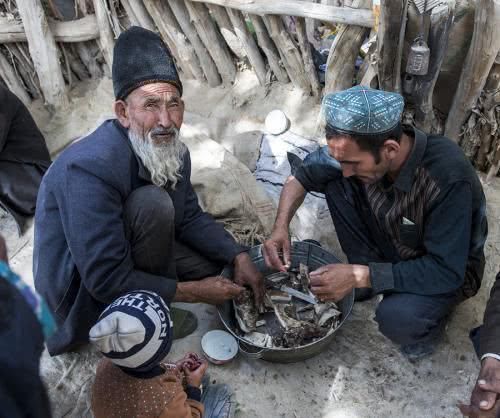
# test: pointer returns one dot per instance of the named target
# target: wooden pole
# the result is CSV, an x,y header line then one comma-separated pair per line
x,y
391,17
106,39
483,49
226,30
291,55
172,34
322,12
441,22
206,62
267,45
43,51
78,30
249,45
142,15
11,79
212,40
305,49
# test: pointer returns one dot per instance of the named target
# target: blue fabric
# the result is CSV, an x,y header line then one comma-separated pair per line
x,y
408,319
82,260
362,110
34,300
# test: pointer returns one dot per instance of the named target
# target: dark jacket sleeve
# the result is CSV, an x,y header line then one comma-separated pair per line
x,y
490,332
200,231
91,212
317,170
446,240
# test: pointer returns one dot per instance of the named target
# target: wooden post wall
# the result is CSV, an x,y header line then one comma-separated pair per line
x,y
43,51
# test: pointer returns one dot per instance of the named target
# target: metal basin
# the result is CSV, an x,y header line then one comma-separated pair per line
x,y
302,252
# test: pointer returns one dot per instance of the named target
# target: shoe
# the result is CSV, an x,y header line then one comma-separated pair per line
x,y
185,322
417,351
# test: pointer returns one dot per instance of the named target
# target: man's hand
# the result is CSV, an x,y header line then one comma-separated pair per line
x,y
213,290
278,242
3,250
485,399
334,281
245,273
195,376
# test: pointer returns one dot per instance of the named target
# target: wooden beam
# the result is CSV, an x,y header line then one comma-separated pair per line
x,y
267,45
305,49
206,62
483,50
79,30
213,41
142,14
8,74
106,38
440,26
292,58
172,34
391,18
227,30
249,45
44,52
300,8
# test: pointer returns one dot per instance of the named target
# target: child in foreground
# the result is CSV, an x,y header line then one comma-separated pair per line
x,y
135,334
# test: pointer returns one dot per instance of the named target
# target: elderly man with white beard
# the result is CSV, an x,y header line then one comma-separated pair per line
x,y
117,212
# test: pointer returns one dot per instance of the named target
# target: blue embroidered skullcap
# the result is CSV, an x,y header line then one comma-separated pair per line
x,y
363,111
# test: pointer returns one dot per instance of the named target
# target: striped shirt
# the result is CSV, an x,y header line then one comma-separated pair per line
x,y
424,233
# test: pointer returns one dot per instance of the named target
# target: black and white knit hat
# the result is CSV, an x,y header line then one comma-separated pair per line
x,y
135,331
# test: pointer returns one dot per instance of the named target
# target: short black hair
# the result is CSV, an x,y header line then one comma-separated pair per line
x,y
370,143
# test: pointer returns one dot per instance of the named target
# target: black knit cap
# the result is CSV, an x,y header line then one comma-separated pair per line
x,y
141,57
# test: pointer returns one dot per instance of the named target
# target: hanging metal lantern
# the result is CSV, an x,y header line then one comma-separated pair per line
x,y
418,58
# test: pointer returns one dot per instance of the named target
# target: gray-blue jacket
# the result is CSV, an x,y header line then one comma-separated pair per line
x,y
82,260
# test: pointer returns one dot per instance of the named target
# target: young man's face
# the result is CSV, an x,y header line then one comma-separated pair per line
x,y
154,109
356,162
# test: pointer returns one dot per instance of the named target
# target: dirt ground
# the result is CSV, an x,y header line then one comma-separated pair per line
x,y
361,374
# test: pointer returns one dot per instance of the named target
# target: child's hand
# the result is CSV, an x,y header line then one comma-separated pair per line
x,y
195,375
190,360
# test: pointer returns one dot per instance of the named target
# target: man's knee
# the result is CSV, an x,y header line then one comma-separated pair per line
x,y
151,207
401,321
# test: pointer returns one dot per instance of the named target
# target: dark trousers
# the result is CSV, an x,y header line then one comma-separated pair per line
x,y
149,226
402,317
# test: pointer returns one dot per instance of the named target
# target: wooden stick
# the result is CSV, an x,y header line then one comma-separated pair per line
x,y
213,41
490,101
483,49
106,39
206,62
344,51
134,21
399,55
305,48
391,16
89,60
43,51
79,30
226,30
142,15
249,44
11,79
24,67
291,57
267,45
170,31
300,8
441,22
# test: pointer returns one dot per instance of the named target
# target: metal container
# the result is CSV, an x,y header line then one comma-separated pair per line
x,y
302,252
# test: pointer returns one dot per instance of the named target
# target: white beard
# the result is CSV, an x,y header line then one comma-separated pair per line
x,y
163,161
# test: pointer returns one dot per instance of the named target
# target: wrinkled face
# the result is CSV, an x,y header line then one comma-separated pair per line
x,y
357,162
154,110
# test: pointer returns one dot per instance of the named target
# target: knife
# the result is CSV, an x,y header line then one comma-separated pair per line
x,y
299,295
